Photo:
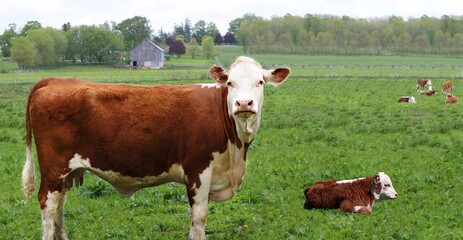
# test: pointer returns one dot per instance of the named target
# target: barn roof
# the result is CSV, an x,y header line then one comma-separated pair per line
x,y
146,40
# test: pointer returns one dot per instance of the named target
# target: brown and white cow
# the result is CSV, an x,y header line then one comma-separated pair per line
x,y
451,98
142,136
430,92
447,87
356,196
422,83
407,99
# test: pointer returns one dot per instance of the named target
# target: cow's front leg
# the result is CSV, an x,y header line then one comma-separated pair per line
x,y
198,196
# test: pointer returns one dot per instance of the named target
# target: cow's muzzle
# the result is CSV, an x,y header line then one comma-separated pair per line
x,y
244,108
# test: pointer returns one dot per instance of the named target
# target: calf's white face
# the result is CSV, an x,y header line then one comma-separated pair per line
x,y
387,190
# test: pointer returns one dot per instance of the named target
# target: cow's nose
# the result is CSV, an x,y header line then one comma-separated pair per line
x,y
244,103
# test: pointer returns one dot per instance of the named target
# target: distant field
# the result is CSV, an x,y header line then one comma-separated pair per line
x,y
312,66
313,128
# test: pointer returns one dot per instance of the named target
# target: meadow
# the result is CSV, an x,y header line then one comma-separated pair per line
x,y
314,128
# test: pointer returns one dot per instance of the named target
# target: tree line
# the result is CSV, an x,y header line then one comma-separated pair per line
x,y
36,46
327,34
33,45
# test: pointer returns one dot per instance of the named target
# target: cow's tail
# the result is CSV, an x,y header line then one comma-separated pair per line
x,y
28,174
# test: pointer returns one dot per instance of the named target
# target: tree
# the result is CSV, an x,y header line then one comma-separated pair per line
x,y
93,43
66,26
234,25
192,48
218,40
44,46
177,47
30,25
103,43
23,52
6,39
187,30
229,38
207,45
134,30
212,29
60,41
199,29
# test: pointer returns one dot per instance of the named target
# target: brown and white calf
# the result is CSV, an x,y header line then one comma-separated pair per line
x,y
422,83
356,196
450,98
142,136
430,92
407,99
447,87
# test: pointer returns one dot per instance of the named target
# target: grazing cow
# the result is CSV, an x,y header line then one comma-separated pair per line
x,y
450,98
422,83
142,136
407,99
447,87
430,92
356,196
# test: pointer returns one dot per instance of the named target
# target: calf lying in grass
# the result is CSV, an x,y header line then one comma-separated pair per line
x,y
356,195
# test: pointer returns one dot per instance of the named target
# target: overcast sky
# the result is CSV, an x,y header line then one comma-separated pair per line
x,y
166,13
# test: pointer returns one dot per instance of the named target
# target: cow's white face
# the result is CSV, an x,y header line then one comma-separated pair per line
x,y
245,84
387,190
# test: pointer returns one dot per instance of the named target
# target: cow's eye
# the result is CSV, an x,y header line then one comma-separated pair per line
x,y
261,82
387,185
230,84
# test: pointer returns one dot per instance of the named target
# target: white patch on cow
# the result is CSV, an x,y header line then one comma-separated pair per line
x,y
358,208
228,169
52,216
349,181
127,184
387,190
218,183
210,85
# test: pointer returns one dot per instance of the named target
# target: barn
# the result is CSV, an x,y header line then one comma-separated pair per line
x,y
147,54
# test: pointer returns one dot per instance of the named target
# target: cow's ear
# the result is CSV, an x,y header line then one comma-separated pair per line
x,y
276,76
218,74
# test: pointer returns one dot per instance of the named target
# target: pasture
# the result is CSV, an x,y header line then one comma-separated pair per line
x,y
313,129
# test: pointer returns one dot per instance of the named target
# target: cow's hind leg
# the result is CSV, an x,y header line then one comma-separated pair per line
x,y
349,206
52,205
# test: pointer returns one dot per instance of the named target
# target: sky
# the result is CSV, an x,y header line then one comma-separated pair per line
x,y
165,14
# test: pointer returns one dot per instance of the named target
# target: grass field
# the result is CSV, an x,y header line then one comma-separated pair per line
x,y
313,128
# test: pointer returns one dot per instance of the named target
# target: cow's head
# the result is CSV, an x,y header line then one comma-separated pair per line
x,y
383,187
245,83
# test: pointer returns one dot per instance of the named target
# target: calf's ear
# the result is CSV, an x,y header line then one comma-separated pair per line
x,y
218,74
377,179
276,76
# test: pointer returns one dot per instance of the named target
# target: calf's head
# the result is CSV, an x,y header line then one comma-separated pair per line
x,y
245,83
382,187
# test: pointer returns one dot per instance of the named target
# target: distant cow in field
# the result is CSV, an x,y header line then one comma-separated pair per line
x,y
142,136
422,83
447,87
355,196
430,92
450,98
407,99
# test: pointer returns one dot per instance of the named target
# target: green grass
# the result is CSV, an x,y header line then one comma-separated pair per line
x,y
312,129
